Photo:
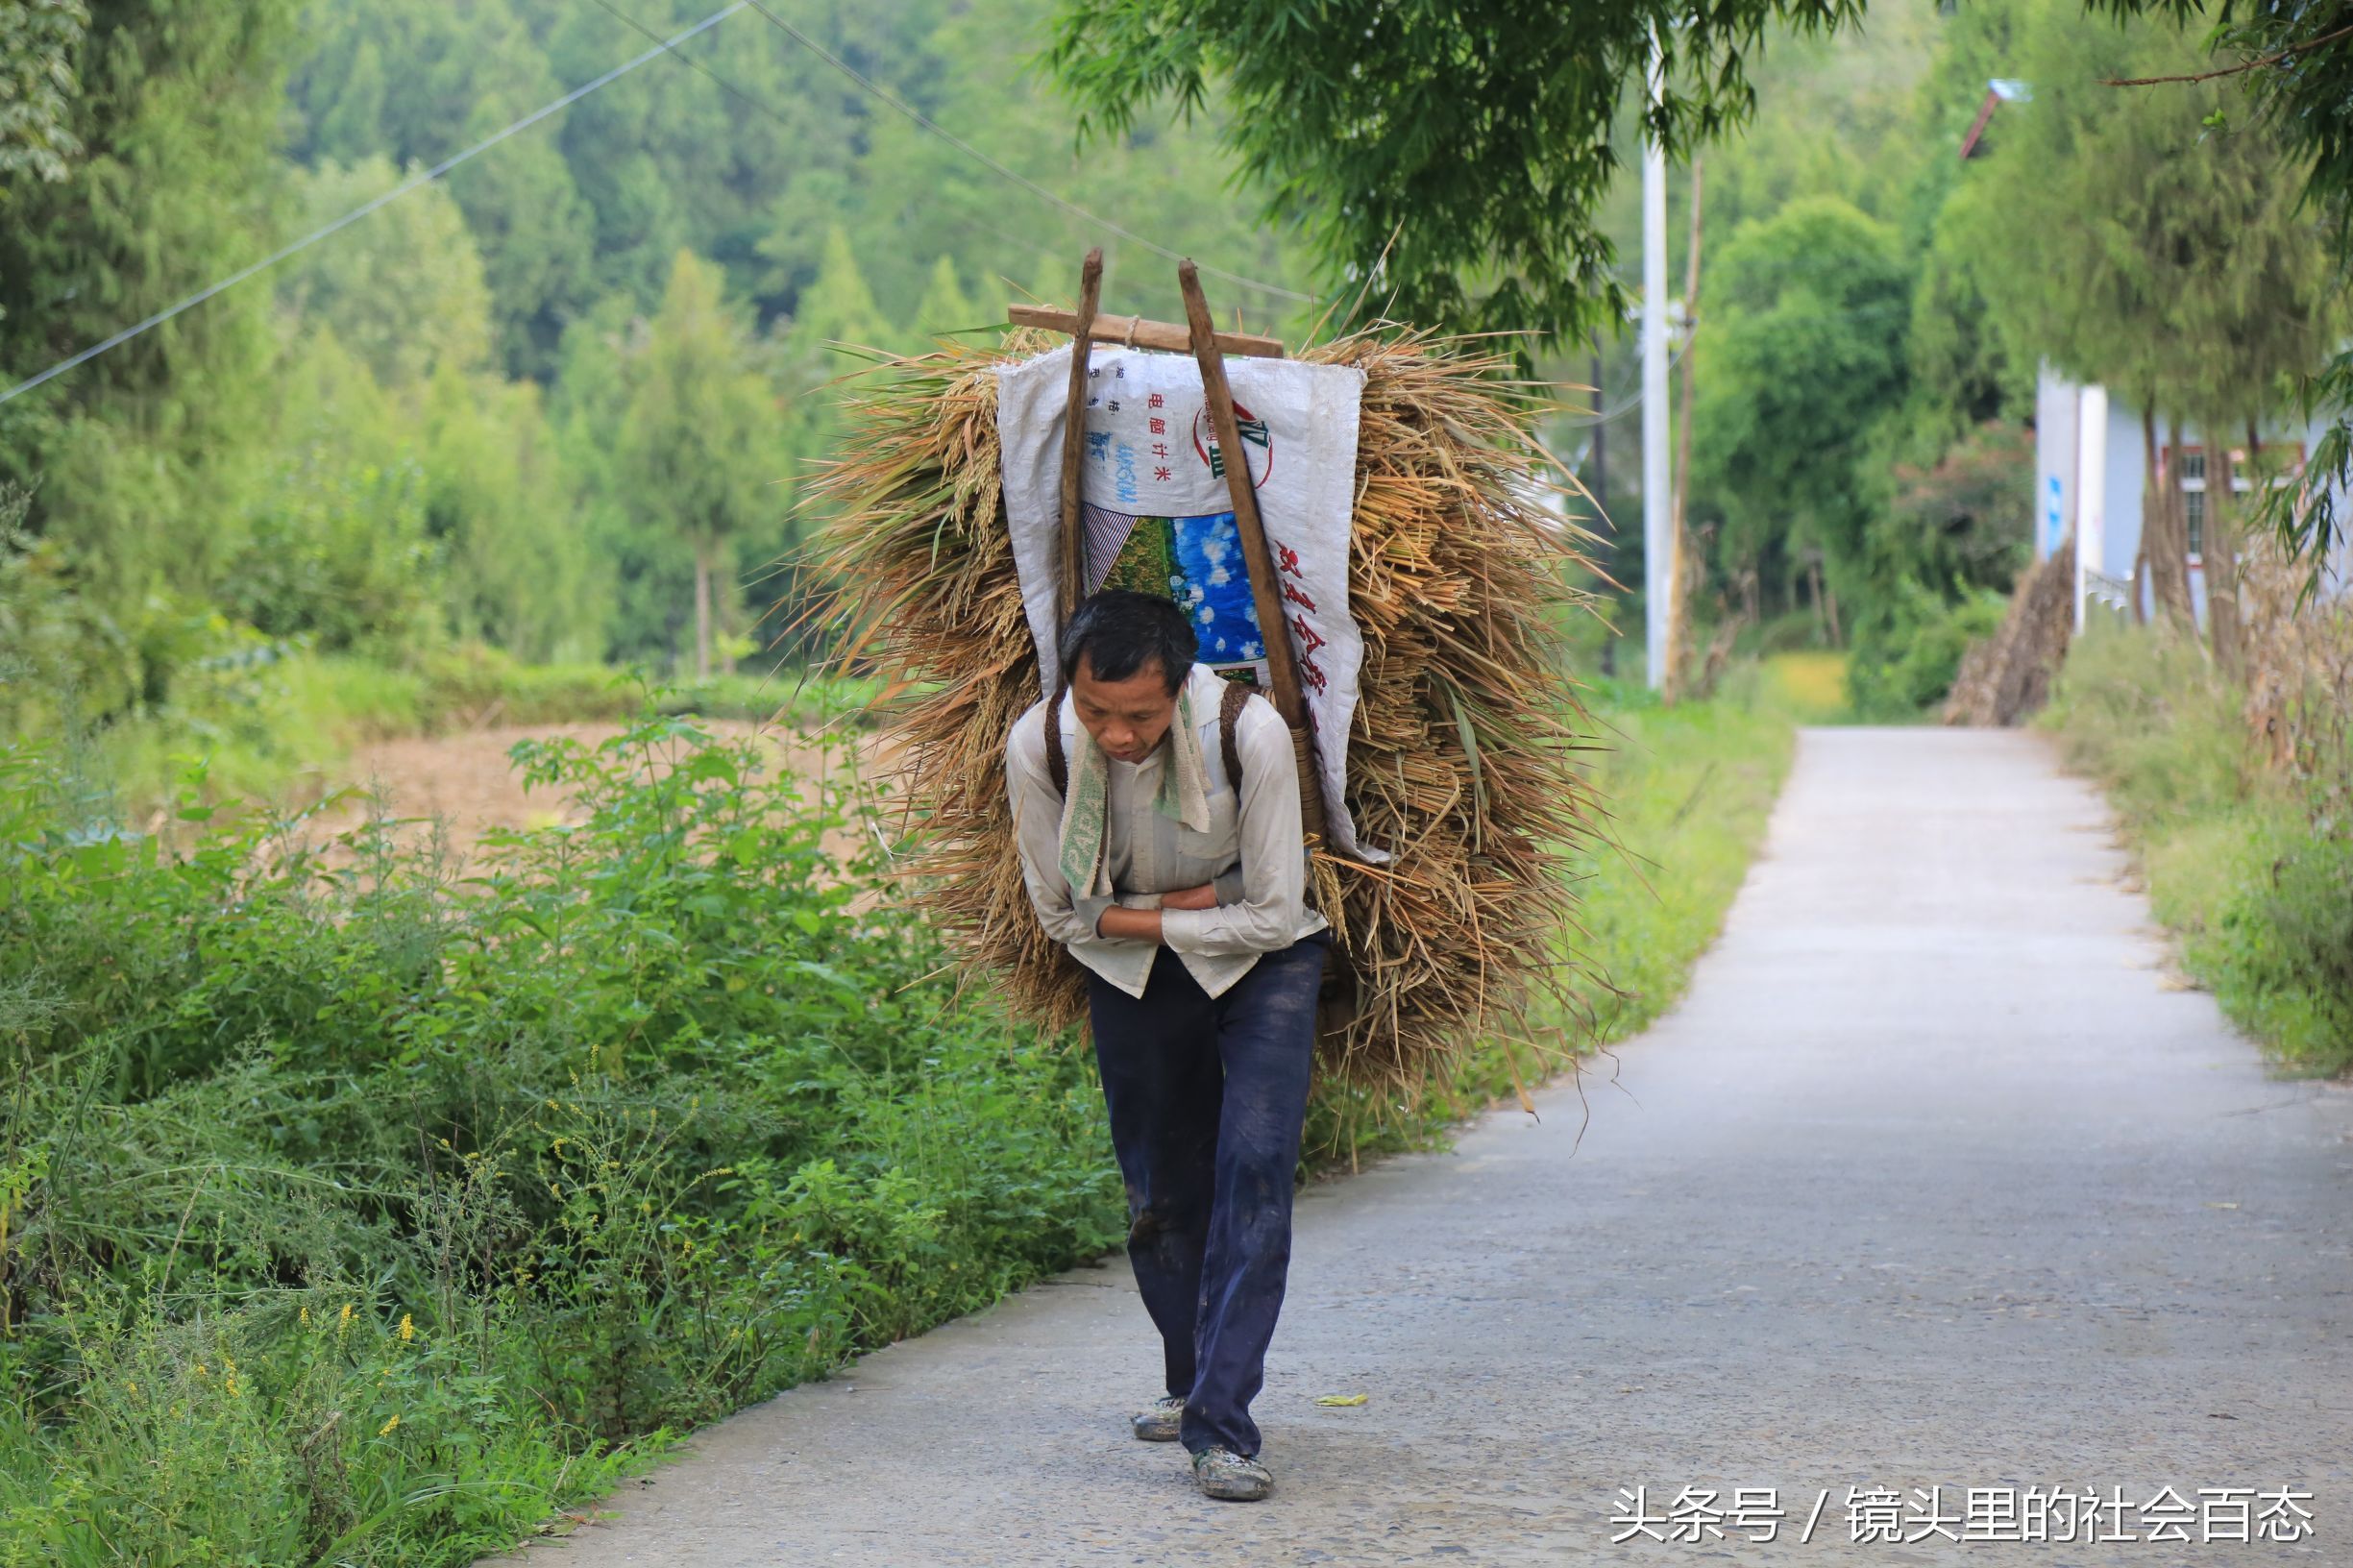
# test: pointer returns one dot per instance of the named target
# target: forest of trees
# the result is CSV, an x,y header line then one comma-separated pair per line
x,y
562,402
558,402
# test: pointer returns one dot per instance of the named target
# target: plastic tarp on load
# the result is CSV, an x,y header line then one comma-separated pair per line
x,y
1157,515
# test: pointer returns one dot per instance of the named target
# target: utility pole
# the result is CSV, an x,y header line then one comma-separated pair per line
x,y
1601,435
1658,506
1679,615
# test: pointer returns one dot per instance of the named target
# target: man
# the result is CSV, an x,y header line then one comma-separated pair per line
x,y
1188,906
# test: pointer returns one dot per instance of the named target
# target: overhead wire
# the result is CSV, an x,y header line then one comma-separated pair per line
x,y
1631,403
414,182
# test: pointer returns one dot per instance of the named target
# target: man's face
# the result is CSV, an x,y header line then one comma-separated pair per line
x,y
1127,718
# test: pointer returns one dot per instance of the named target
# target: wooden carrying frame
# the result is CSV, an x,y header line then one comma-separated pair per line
x,y
1209,347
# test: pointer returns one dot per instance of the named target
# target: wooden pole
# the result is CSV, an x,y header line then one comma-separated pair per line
x,y
1138,334
1266,598
1264,595
1075,434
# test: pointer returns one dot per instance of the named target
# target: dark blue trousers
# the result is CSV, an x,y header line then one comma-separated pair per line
x,y
1206,1095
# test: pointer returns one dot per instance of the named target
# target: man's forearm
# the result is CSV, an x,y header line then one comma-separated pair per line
x,y
1121,923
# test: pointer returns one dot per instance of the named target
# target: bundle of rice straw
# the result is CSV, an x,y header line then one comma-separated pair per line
x,y
2004,679
1466,755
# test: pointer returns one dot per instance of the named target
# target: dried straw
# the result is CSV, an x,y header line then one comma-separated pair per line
x,y
1466,755
2005,678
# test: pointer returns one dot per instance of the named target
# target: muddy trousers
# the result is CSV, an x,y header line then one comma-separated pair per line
x,y
1206,1095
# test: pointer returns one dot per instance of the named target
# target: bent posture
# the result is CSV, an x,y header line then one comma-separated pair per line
x,y
1185,900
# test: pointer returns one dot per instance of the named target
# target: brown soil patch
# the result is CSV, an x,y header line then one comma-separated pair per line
x,y
469,784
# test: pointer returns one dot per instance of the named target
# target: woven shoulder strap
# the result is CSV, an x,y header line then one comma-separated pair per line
x,y
1056,768
1237,695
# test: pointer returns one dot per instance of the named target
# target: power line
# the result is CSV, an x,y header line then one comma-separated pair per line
x,y
965,147
1630,404
364,208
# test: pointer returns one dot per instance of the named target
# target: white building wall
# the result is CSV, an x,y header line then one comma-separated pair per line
x,y
2057,446
2054,461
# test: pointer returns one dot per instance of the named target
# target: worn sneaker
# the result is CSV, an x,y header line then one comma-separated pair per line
x,y
1158,1421
1221,1473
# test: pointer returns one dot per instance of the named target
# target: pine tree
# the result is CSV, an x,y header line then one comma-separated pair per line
x,y
945,307
695,442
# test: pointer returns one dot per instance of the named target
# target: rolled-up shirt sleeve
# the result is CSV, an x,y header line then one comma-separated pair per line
x,y
1272,841
1037,816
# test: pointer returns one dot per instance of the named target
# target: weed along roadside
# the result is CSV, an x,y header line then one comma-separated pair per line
x,y
2230,793
358,1213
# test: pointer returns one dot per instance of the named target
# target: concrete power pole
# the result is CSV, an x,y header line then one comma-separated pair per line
x,y
1658,564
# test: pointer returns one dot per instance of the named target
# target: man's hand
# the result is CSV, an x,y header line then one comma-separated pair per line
x,y
1204,896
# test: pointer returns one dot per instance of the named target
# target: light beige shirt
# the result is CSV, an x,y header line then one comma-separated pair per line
x,y
1255,851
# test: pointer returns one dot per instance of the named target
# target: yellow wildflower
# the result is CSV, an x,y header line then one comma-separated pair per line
x,y
409,1329
385,1430
303,1317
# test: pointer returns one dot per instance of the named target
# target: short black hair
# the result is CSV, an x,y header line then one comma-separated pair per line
x,y
1119,631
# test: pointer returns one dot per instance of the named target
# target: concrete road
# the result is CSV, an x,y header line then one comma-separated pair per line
x,y
1936,1179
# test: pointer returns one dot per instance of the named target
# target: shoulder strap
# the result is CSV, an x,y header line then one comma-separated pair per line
x,y
1056,768
1237,695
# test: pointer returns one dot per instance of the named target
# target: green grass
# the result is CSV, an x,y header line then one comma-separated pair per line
x,y
2254,870
352,1215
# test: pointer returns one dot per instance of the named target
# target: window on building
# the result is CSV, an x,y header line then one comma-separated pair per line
x,y
2193,498
2194,480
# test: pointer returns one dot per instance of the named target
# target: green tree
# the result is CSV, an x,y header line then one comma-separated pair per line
x,y
695,449
1802,355
500,501
419,80
2172,259
37,44
2290,61
945,307
652,578
1472,142
141,456
837,307
408,294
333,545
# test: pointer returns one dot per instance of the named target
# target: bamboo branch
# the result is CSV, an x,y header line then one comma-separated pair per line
x,y
2244,66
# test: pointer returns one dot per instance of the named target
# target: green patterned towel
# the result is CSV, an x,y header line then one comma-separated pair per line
x,y
1183,796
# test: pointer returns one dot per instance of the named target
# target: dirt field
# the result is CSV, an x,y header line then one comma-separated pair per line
x,y
469,783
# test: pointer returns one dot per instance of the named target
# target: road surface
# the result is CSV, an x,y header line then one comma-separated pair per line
x,y
1937,1178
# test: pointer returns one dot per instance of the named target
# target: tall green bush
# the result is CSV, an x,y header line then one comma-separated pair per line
x,y
358,1206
